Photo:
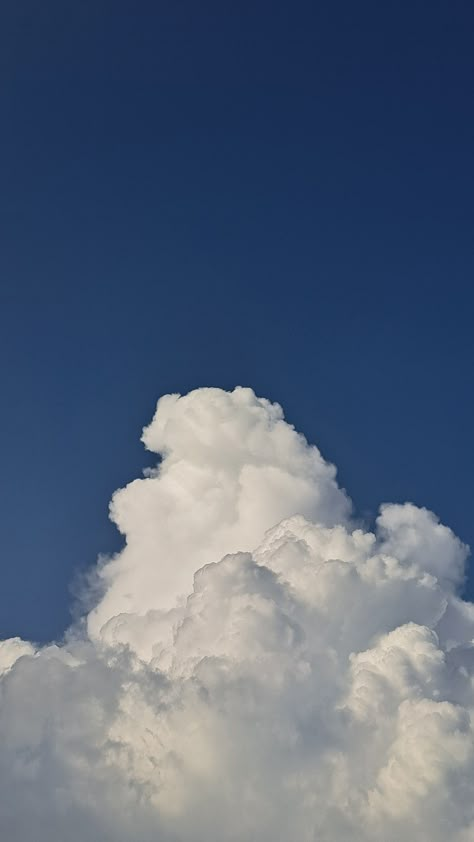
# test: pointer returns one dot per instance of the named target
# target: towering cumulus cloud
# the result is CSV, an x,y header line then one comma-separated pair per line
x,y
256,666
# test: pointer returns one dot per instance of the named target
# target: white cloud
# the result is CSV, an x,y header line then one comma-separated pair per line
x,y
257,668
11,650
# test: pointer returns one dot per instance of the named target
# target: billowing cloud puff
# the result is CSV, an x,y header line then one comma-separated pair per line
x,y
257,666
231,468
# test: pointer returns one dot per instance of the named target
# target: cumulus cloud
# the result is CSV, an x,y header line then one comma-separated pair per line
x,y
256,667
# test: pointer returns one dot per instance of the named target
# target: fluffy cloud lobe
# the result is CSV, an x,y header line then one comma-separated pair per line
x,y
257,667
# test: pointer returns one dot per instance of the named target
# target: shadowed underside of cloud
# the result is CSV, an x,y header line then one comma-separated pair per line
x,y
257,667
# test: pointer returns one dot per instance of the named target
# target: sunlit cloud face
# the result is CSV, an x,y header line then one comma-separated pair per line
x,y
257,665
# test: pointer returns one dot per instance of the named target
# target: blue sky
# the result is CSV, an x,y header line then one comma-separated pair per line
x,y
264,194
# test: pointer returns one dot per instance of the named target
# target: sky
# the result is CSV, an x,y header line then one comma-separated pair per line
x,y
236,348
271,195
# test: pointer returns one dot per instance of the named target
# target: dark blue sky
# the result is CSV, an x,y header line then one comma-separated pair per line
x,y
271,194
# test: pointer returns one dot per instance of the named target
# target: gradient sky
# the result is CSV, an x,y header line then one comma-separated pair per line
x,y
270,194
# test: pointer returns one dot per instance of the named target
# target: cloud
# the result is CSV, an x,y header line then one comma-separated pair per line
x,y
256,666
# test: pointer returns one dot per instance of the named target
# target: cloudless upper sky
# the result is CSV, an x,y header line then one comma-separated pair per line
x,y
270,194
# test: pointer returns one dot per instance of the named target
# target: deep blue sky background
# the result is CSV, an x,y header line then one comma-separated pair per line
x,y
272,194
